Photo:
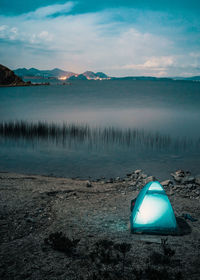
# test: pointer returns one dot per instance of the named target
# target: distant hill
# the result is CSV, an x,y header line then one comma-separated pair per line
x,y
89,75
8,78
77,77
195,78
59,74
33,72
141,78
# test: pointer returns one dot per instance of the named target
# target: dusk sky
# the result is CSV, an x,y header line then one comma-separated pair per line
x,y
120,38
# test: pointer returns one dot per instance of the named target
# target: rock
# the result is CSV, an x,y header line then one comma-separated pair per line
x,y
88,184
197,179
144,176
30,220
134,176
180,173
178,187
134,183
7,77
188,180
109,181
117,179
191,186
137,171
177,178
166,183
149,179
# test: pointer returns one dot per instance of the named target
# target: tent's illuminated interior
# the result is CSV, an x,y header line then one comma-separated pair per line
x,y
153,208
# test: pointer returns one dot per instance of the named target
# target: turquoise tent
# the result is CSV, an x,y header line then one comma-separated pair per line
x,y
152,212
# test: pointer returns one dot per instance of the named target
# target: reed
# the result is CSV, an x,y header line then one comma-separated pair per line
x,y
93,135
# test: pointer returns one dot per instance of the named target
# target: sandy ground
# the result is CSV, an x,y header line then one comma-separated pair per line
x,y
32,207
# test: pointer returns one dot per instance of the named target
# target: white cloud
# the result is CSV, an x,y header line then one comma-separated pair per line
x,y
3,28
50,10
154,63
89,41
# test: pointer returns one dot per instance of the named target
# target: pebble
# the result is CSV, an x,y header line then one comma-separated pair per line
x,y
197,180
188,180
149,179
88,184
137,171
30,220
144,176
180,173
166,183
177,178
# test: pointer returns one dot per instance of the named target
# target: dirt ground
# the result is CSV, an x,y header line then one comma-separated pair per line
x,y
33,207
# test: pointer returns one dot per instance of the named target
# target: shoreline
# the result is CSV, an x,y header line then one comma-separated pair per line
x,y
26,85
32,207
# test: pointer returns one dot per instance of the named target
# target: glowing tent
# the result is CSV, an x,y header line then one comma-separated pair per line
x,y
152,212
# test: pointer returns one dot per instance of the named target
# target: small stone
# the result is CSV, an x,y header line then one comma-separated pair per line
x,y
180,173
133,183
144,176
166,183
188,180
109,180
190,186
171,192
88,184
137,171
197,179
177,178
30,220
134,176
117,179
149,179
127,179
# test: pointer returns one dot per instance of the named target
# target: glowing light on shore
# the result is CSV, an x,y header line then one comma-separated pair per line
x,y
62,78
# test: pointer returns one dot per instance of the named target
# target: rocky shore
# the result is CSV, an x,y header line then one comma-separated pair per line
x,y
59,228
9,79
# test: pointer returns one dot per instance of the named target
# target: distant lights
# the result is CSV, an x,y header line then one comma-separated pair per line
x,y
62,78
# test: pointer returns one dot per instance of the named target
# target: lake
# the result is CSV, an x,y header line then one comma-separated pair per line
x,y
101,128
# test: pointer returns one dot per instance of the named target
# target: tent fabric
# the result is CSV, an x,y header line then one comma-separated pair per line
x,y
153,212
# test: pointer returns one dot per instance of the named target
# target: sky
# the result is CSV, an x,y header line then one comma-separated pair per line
x,y
118,37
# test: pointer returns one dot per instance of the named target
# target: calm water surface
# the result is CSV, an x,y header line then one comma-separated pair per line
x,y
165,115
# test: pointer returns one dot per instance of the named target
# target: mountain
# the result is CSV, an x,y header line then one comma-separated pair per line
x,y
89,75
77,77
142,78
8,78
33,72
95,76
59,74
195,78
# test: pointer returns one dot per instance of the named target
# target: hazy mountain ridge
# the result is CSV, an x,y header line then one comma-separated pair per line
x,y
88,75
33,72
59,74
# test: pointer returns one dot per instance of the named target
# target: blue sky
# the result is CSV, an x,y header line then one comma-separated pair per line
x,y
159,38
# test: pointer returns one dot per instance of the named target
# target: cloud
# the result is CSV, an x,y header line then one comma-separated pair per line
x,y
98,41
50,11
154,63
